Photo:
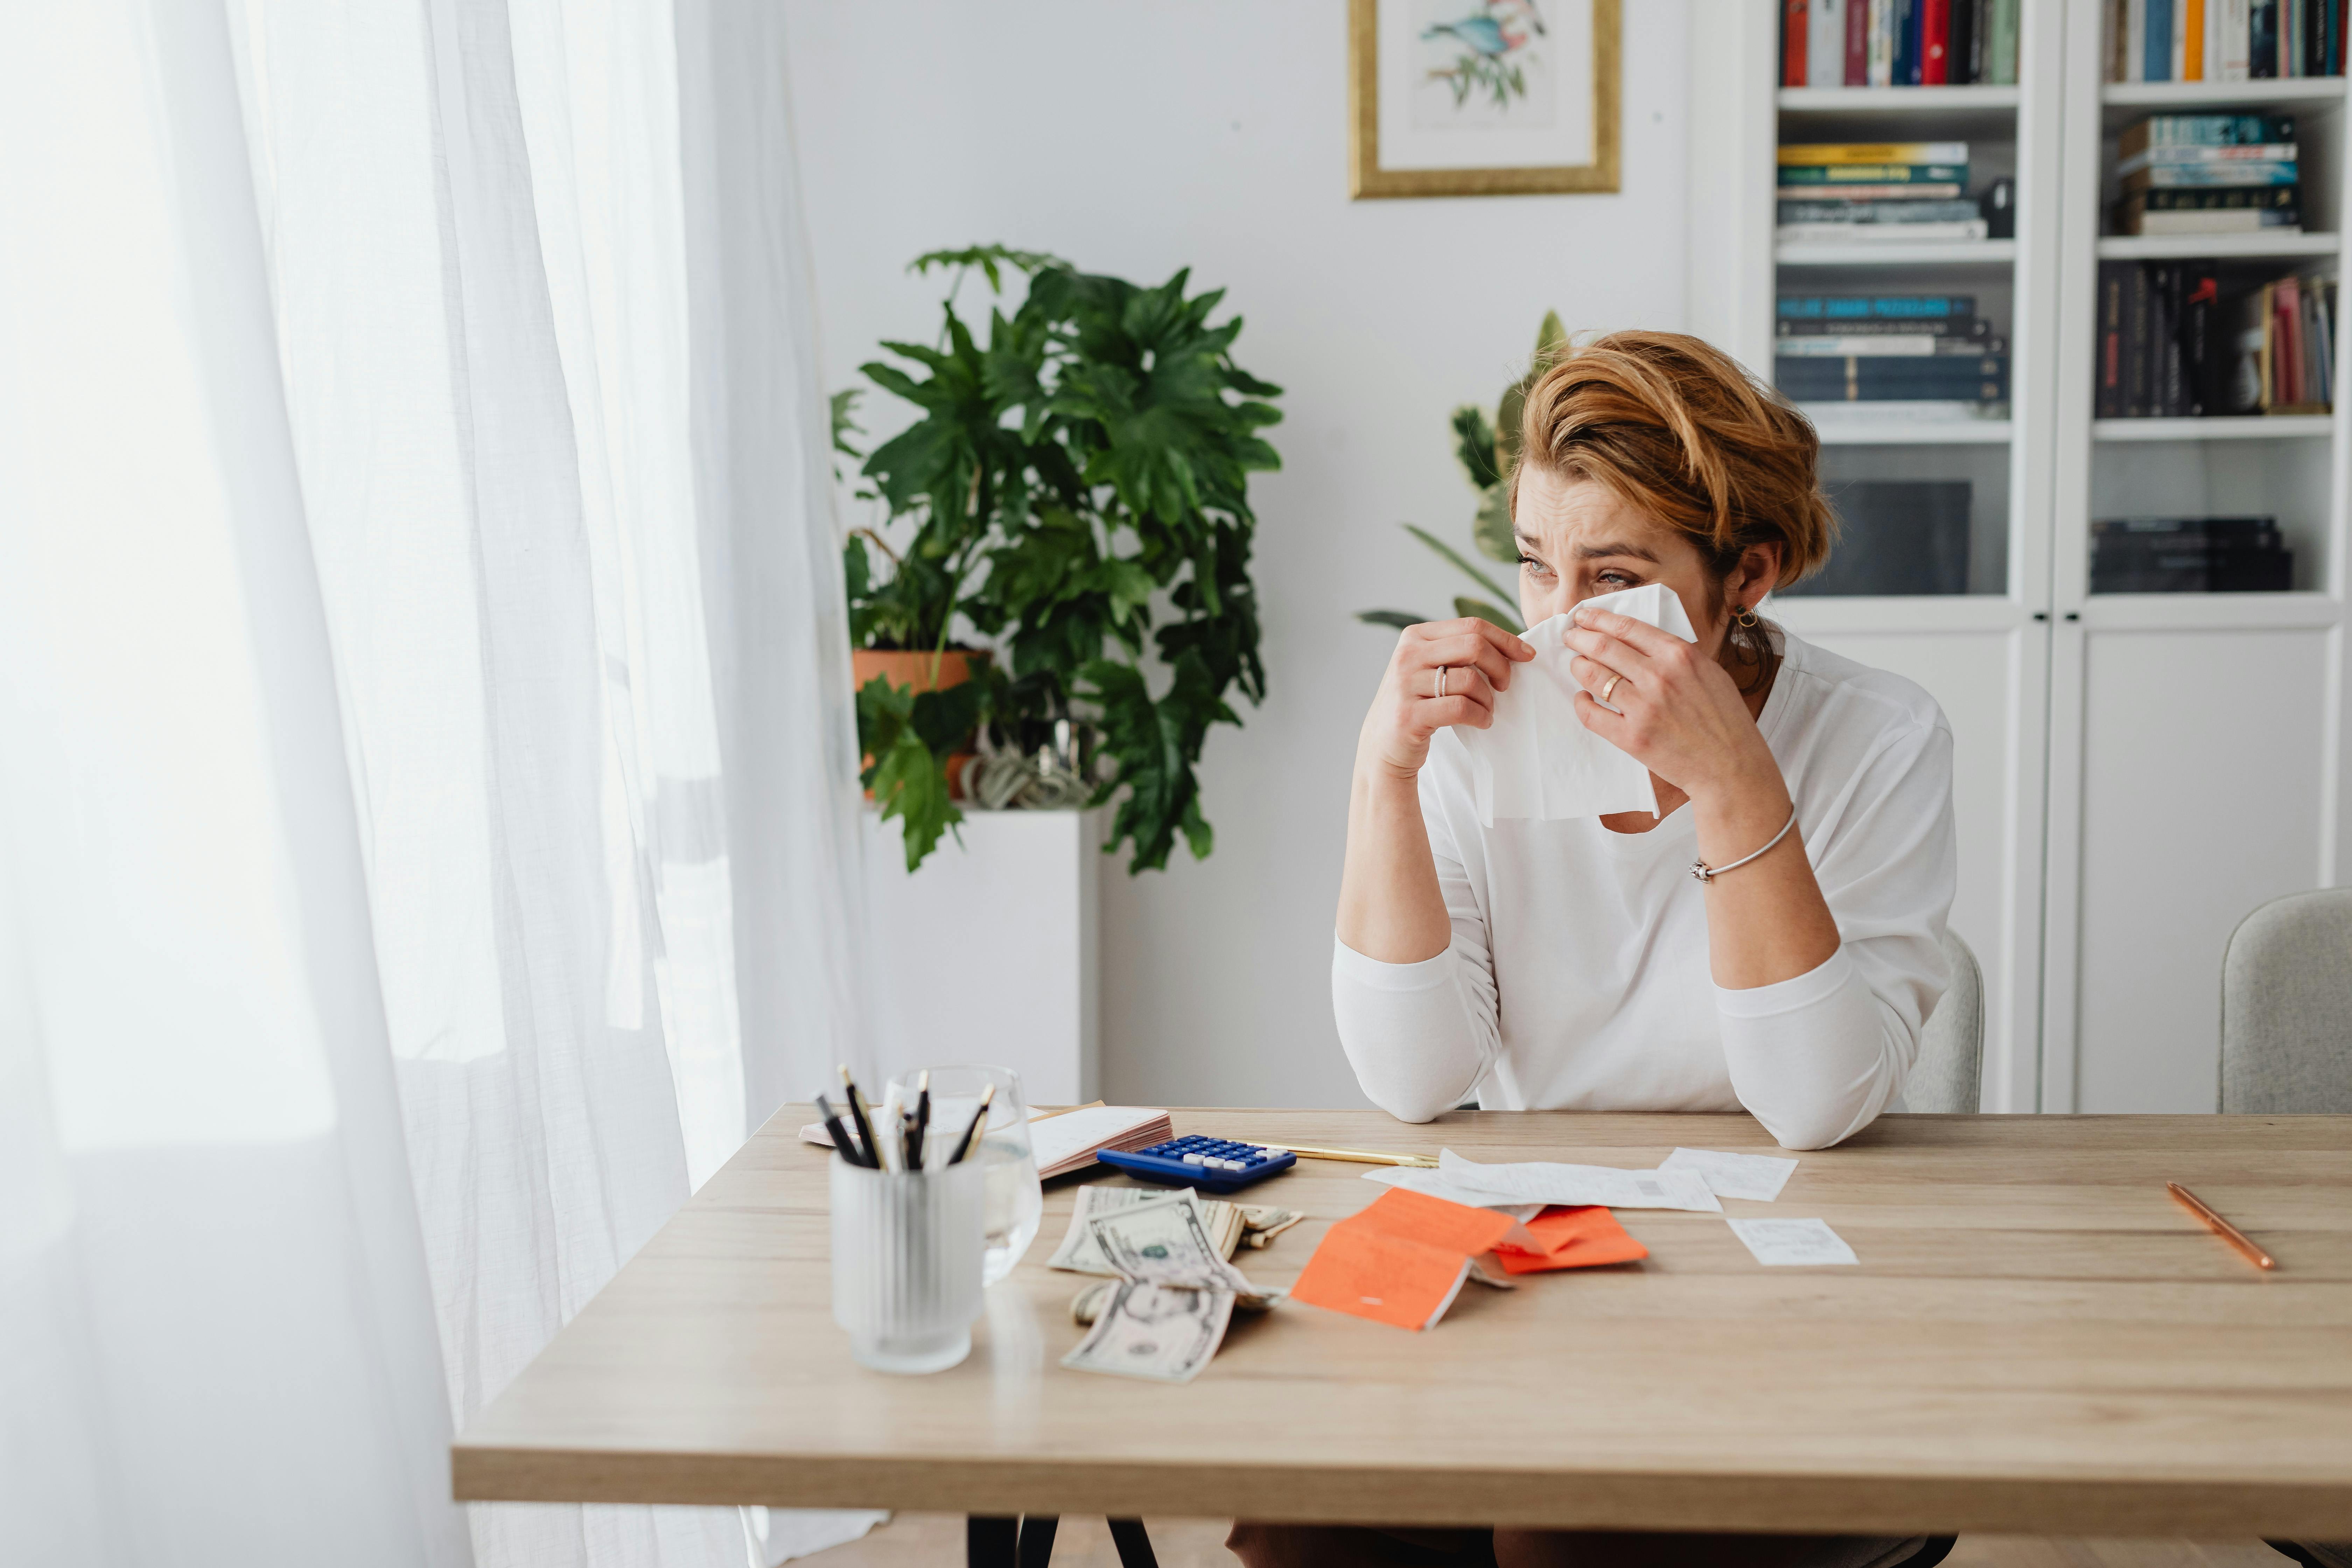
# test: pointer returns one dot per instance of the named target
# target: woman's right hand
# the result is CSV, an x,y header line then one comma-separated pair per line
x,y
1477,656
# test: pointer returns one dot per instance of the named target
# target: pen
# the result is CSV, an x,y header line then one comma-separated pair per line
x,y
840,1134
1362,1157
2220,1226
970,1142
922,1123
857,1116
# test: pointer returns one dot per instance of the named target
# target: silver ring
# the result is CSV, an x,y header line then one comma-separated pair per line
x,y
1441,680
1610,686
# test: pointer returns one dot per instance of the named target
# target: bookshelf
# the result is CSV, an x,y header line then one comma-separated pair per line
x,y
2134,772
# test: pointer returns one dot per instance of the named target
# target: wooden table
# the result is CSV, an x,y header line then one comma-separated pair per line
x,y
2037,1339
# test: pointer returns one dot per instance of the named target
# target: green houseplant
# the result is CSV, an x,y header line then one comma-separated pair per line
x,y
1485,449
1073,487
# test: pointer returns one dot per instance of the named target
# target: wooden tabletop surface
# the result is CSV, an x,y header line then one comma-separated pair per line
x,y
2037,1339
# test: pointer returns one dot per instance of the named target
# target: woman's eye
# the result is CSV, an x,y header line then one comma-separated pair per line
x,y
1617,579
1530,563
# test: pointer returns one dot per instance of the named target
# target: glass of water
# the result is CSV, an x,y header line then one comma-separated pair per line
x,y
1015,1203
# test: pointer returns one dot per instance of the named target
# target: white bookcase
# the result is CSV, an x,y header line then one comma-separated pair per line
x,y
2135,771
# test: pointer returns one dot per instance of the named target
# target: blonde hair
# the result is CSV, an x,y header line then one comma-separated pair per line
x,y
1677,428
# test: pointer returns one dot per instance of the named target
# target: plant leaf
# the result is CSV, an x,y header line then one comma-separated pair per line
x,y
1459,560
1474,445
1481,610
1490,529
1399,619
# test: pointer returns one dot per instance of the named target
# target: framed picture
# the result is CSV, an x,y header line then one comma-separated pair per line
x,y
1482,98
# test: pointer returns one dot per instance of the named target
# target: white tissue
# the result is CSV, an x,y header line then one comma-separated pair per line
x,y
1537,760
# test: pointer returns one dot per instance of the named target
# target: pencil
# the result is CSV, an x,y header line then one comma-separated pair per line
x,y
860,1119
840,1134
1362,1156
921,1126
2220,1226
965,1145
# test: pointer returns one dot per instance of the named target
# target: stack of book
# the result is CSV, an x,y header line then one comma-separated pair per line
x,y
1889,356
2223,40
2172,345
1897,43
1876,190
2190,555
2209,174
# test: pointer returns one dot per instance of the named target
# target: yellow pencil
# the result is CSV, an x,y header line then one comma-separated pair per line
x,y
1362,1157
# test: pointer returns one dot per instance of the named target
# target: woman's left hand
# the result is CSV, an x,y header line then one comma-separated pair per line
x,y
1678,712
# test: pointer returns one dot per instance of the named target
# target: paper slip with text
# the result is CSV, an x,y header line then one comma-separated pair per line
x,y
1577,1186
1795,1243
1401,1260
1568,1238
1759,1177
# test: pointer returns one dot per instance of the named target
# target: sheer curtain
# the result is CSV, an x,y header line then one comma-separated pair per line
x,y
429,772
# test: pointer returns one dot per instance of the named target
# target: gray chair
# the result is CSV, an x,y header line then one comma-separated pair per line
x,y
1952,1043
2286,1006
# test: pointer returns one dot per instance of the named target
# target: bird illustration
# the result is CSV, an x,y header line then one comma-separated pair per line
x,y
1503,25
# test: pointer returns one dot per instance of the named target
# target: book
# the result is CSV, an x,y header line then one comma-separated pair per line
x,y
2249,171
1864,378
2199,330
2219,220
2000,43
1903,410
1860,213
1825,152
1825,44
1882,43
1873,174
1907,14
2192,40
2190,555
1795,36
1878,233
1935,43
2199,154
1834,191
1842,345
1848,310
2205,130
2262,39
2137,337
1857,42
1967,42
2157,62
2236,34
2107,401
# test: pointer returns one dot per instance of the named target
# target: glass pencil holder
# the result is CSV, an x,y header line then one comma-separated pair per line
x,y
907,1249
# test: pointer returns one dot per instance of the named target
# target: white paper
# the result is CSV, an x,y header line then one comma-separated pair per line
x,y
1537,760
1539,1182
1433,1183
1729,1175
1793,1242
1057,1138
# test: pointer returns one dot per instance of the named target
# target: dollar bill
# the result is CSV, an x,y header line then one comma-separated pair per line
x,y
1165,1242
1079,1254
1088,1303
1162,1332
1262,1223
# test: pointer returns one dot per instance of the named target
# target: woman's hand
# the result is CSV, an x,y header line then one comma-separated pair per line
x,y
1678,713
1476,657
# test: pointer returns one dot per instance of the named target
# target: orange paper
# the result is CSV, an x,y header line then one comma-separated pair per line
x,y
1400,1261
1570,1238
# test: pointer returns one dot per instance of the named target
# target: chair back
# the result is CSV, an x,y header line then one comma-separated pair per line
x,y
1952,1043
2286,1006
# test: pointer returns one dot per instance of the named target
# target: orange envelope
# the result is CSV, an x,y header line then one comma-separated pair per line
x,y
1570,1238
1401,1260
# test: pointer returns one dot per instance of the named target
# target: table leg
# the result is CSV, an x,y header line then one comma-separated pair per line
x,y
990,1542
1134,1545
1037,1540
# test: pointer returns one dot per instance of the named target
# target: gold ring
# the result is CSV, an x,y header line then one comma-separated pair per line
x,y
1611,687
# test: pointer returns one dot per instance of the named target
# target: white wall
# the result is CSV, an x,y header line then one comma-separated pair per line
x,y
1140,137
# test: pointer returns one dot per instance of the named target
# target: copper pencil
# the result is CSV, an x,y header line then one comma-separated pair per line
x,y
2220,1226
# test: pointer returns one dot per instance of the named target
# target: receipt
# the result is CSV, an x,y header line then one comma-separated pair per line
x,y
1794,1242
1541,1182
1537,759
1729,1175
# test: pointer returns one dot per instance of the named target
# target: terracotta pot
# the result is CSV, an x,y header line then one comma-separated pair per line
x,y
912,667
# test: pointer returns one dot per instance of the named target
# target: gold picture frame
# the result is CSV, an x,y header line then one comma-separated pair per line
x,y
1367,178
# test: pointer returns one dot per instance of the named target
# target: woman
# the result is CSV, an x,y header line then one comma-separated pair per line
x,y
1586,964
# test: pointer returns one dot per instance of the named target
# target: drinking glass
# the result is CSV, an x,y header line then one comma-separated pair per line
x,y
1015,1203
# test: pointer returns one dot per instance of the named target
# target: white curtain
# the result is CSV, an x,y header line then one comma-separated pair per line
x,y
428,766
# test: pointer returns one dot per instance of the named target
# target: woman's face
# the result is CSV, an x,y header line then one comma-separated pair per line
x,y
1579,540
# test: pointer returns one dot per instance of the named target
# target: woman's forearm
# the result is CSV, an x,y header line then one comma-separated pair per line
x,y
1391,908
1766,922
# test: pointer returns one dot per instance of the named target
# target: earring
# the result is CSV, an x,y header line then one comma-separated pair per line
x,y
1745,619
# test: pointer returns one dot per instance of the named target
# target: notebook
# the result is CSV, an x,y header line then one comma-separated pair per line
x,y
1066,1140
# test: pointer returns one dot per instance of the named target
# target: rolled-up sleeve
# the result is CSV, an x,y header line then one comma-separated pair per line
x,y
1817,1058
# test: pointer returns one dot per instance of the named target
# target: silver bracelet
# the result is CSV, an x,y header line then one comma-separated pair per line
x,y
1699,869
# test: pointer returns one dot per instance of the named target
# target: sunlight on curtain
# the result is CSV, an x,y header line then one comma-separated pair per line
x,y
430,781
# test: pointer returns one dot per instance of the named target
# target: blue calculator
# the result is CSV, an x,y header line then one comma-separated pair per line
x,y
1212,1164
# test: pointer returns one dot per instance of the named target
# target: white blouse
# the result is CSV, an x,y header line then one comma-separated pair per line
x,y
1578,977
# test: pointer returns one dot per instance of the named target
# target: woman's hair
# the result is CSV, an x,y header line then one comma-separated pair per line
x,y
1676,427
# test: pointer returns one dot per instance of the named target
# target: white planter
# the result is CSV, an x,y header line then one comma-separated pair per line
x,y
988,953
